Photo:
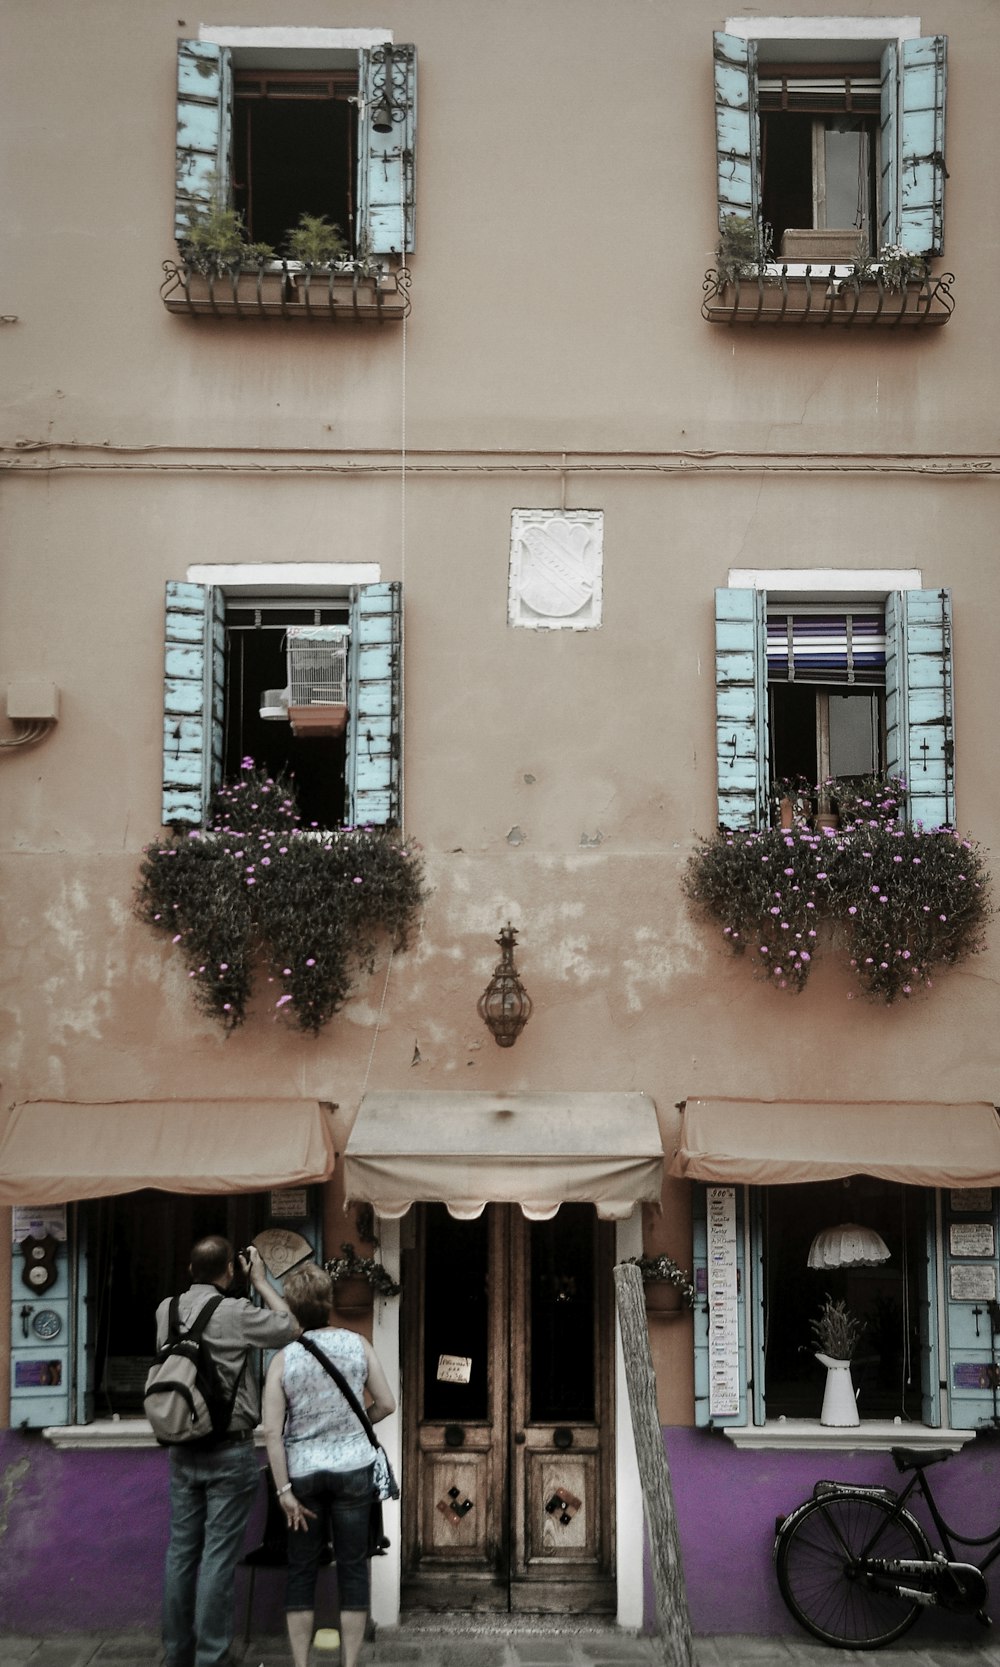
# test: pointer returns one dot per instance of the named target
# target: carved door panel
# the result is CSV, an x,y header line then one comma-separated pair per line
x,y
509,1349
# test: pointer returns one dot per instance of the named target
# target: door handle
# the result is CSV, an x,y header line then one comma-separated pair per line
x,y
519,1439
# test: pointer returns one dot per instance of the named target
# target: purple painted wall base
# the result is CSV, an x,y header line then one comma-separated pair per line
x,y
83,1538
727,1502
83,1535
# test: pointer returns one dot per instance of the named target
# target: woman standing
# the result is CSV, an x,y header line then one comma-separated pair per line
x,y
321,1460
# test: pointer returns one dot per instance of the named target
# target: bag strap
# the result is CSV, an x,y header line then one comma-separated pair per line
x,y
344,1387
197,1325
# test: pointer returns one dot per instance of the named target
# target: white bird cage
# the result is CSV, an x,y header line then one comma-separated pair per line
x,y
315,700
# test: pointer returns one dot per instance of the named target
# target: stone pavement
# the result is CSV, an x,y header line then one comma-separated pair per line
x,y
427,1646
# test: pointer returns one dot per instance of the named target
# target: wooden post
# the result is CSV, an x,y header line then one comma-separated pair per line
x,y
669,1594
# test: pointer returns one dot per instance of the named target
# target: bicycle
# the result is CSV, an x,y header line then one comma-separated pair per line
x,y
856,1568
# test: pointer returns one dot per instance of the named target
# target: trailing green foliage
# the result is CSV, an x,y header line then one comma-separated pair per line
x,y
313,905
350,1264
663,1270
904,900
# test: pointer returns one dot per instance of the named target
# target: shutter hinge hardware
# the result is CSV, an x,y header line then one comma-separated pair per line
x,y
732,742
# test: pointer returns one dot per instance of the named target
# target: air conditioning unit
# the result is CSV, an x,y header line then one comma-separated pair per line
x,y
315,699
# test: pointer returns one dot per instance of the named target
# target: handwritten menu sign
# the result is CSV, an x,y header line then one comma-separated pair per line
x,y
454,1368
723,1323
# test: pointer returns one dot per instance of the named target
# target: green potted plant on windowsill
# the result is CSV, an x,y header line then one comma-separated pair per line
x,y
222,266
358,1279
317,255
668,1288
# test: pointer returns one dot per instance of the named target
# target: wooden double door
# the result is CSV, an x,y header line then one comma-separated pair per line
x,y
509,1376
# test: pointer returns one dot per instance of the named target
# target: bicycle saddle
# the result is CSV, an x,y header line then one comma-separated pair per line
x,y
918,1458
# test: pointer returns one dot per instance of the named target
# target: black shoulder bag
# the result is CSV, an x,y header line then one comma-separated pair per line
x,y
385,1482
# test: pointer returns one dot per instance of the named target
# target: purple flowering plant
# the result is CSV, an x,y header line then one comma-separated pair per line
x,y
904,901
256,888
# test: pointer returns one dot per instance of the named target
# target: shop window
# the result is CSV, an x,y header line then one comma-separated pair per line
x,y
277,129
227,665
834,689
927,1354
839,135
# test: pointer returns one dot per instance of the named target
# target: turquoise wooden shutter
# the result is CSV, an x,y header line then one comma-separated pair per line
x,y
41,1363
204,129
923,77
930,1367
889,146
737,127
386,191
920,731
374,720
741,707
972,1281
704,1197
193,701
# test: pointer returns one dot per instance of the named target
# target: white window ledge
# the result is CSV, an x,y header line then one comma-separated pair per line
x,y
874,1435
109,1432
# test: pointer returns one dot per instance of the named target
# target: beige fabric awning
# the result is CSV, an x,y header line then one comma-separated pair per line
x,y
536,1150
771,1142
53,1151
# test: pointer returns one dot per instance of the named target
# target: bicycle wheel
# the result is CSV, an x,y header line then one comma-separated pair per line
x,y
819,1561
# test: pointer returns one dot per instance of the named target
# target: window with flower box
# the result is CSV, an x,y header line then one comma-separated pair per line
x,y
838,687
225,649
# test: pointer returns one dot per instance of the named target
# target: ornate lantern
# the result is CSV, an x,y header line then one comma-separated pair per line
x,y
505,1005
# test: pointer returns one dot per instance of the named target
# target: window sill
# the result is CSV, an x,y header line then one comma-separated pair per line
x,y
327,297
829,295
874,1435
109,1432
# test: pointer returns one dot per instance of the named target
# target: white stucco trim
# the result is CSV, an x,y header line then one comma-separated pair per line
x,y
823,28
795,581
873,1435
279,38
285,576
387,1571
628,1493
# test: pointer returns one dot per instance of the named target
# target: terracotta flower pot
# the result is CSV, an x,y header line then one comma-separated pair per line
x,y
353,1296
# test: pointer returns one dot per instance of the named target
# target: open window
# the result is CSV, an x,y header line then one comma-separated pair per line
x,y
279,130
841,688
840,138
230,692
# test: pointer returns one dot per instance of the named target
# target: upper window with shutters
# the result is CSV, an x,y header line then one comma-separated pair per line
x,y
304,679
830,135
819,687
274,124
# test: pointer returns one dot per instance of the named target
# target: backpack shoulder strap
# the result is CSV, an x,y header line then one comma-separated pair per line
x,y
344,1387
199,1322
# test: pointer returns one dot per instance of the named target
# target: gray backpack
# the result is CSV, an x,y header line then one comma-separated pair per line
x,y
184,1399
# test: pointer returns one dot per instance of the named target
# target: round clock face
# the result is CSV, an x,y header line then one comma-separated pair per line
x,y
38,1276
46,1324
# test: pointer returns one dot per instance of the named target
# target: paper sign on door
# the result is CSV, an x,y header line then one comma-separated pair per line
x,y
454,1368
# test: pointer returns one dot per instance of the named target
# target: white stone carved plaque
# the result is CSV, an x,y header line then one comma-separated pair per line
x,y
556,568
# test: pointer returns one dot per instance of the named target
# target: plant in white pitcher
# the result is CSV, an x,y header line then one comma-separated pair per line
x,y
838,1333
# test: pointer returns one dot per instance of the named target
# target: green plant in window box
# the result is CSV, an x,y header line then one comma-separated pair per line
x,y
837,1332
215,244
316,241
663,1270
904,901
351,1265
744,249
255,886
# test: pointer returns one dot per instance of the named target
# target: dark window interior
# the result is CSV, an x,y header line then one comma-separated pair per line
x,y
456,1313
138,1247
805,719
294,152
255,661
563,1315
886,1370
819,127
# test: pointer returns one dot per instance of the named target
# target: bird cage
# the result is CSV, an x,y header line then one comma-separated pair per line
x,y
315,699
